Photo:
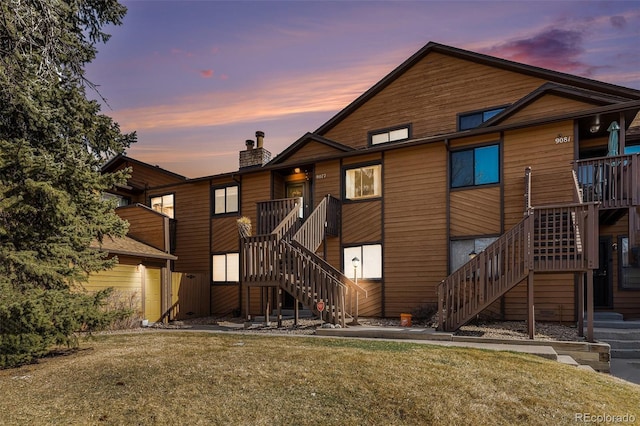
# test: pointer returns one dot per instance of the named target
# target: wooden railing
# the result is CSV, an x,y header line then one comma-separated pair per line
x,y
613,181
549,239
271,213
285,257
564,237
482,280
315,228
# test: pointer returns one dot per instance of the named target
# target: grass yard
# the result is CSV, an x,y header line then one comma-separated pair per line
x,y
183,378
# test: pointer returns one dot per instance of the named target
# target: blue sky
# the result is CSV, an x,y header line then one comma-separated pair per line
x,y
196,79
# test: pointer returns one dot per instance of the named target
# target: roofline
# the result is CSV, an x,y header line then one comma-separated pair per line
x,y
532,70
123,157
291,149
164,256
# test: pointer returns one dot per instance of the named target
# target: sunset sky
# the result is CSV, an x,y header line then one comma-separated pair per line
x,y
196,79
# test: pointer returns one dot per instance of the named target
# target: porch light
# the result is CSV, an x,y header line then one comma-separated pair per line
x,y
296,170
355,262
472,255
595,125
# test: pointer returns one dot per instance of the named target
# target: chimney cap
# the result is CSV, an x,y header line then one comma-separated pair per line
x,y
259,134
249,143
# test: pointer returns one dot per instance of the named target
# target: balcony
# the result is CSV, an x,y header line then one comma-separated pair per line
x,y
612,181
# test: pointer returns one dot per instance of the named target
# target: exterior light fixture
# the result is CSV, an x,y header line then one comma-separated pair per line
x,y
472,255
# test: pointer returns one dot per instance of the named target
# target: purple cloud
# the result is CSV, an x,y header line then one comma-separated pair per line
x,y
556,49
618,21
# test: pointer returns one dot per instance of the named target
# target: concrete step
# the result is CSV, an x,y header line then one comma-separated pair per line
x,y
606,316
586,367
624,344
606,334
625,353
623,325
566,359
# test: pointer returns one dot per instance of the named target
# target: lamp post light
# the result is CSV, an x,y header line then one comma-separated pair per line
x,y
356,263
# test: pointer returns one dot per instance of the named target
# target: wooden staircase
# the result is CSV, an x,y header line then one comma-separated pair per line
x,y
286,257
557,238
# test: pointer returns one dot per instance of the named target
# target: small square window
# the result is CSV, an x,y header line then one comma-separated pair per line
x,y
629,265
477,166
390,135
226,267
370,261
475,119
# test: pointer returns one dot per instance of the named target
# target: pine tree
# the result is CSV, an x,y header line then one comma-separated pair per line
x,y
53,141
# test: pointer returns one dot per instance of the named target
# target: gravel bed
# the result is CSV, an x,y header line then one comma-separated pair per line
x,y
488,329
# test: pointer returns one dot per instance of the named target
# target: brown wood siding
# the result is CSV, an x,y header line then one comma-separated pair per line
x,y
279,187
362,159
626,302
370,306
192,211
256,187
475,212
225,299
145,225
190,295
149,177
309,152
415,226
430,87
554,299
225,234
326,180
552,182
546,106
361,222
475,140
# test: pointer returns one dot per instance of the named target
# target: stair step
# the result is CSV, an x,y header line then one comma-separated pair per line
x,y
607,316
635,325
625,353
616,334
624,344
566,359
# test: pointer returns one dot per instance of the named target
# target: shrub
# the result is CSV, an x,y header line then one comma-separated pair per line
x,y
33,321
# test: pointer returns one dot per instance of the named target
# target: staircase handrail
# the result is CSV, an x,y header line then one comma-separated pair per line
x,y
289,222
312,232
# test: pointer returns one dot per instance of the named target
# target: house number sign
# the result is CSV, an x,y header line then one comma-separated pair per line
x,y
321,175
563,139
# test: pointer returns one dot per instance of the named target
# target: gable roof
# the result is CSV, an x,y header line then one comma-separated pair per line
x,y
123,159
571,92
304,140
127,246
624,93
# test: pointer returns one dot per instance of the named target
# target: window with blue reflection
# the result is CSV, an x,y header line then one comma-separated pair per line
x,y
477,166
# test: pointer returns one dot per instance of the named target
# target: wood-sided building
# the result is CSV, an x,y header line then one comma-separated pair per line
x,y
457,178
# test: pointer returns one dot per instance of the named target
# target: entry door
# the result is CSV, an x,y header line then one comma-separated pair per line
x,y
301,189
602,278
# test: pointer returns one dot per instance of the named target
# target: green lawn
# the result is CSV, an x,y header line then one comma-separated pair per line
x,y
177,378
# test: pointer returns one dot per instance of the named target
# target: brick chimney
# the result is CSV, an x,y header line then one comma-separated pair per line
x,y
254,157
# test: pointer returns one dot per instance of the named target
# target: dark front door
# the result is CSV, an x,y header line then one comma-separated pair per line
x,y
301,189
602,279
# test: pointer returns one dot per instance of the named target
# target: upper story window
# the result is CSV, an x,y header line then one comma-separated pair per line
x,y
474,119
390,135
120,200
476,166
163,204
363,182
225,200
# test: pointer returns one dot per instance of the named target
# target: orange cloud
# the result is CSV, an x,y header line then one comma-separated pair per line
x,y
268,100
206,73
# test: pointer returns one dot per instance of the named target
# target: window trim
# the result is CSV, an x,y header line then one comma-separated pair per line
x,y
461,115
388,130
621,268
173,194
213,200
473,148
348,272
354,166
226,268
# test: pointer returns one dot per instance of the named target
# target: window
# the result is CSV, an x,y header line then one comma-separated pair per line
x,y
475,119
461,251
163,204
363,182
120,200
225,200
226,267
390,135
478,166
629,265
370,257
